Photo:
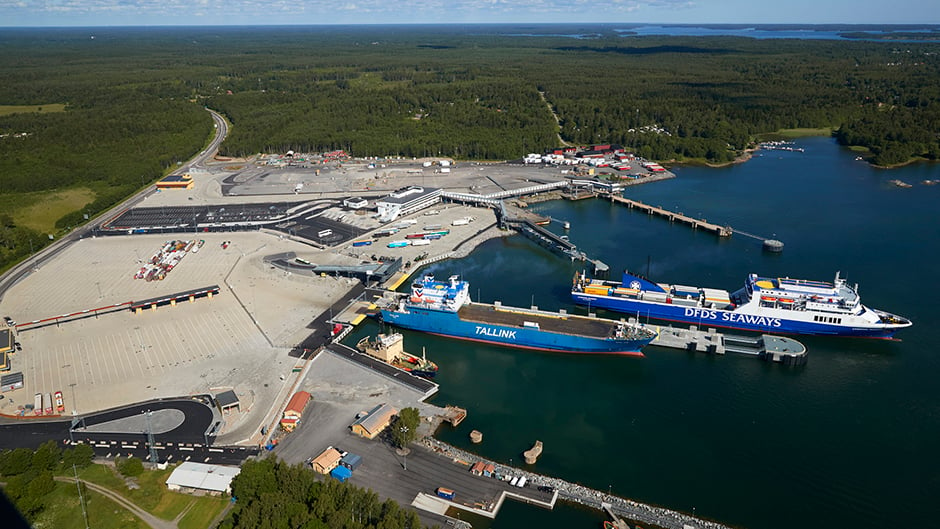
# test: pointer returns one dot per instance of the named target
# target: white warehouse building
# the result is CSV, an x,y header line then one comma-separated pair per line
x,y
202,478
405,201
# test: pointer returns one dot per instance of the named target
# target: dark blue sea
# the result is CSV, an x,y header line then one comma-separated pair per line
x,y
849,440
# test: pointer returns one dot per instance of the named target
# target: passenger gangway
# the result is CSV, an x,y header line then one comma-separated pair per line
x,y
494,198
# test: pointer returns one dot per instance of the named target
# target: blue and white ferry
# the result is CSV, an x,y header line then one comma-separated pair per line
x,y
444,308
769,305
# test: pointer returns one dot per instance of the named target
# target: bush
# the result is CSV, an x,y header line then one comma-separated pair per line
x,y
130,467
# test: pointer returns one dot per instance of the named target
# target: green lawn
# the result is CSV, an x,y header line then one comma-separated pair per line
x,y
202,514
153,496
18,109
63,511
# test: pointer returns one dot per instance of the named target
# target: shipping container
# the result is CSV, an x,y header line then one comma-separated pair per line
x,y
445,493
351,461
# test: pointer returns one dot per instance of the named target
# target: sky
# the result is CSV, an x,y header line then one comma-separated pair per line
x,y
270,12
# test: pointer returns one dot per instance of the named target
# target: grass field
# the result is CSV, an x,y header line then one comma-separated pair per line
x,y
201,515
22,109
789,134
40,210
63,511
155,498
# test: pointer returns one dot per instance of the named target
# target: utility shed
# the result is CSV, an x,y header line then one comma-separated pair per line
x,y
294,410
351,461
326,461
199,477
227,400
374,422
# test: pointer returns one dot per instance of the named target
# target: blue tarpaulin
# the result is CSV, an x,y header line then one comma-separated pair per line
x,y
341,473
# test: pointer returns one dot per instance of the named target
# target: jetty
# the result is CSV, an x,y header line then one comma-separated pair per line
x,y
672,216
771,245
766,347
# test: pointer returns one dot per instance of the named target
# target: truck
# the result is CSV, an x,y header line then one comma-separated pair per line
x,y
50,407
447,494
37,404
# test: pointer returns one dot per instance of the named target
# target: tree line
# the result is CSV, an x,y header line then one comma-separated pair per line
x,y
29,473
134,98
271,494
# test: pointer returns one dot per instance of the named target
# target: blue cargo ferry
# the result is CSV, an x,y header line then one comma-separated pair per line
x,y
444,308
777,305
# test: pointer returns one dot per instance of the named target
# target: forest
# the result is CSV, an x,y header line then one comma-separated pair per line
x,y
273,494
134,100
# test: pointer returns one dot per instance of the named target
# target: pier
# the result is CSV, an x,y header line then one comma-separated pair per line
x,y
556,243
721,231
766,347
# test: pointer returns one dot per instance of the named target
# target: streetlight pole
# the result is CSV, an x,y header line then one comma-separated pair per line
x,y
404,449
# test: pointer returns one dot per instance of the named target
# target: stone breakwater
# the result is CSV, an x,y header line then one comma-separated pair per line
x,y
629,509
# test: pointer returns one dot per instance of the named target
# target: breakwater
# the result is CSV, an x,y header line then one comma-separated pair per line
x,y
626,508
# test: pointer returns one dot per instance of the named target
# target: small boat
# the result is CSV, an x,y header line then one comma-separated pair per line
x,y
389,348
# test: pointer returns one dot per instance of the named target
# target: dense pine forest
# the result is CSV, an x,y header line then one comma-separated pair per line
x,y
133,100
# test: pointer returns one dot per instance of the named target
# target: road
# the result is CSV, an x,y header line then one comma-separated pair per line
x,y
191,439
18,272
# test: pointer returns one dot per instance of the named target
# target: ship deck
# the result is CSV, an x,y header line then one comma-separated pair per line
x,y
577,325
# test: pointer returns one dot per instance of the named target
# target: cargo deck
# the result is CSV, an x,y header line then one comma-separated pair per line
x,y
552,322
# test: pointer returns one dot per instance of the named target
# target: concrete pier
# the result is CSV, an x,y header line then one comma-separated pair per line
x,y
721,231
766,347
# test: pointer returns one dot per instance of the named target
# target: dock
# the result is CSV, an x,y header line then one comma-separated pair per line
x,y
766,347
721,231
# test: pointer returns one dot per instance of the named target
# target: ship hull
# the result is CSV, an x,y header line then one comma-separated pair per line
x,y
727,319
450,324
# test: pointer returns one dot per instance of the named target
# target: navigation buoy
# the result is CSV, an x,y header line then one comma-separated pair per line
x,y
773,245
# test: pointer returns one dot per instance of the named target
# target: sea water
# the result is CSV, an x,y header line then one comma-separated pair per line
x,y
849,440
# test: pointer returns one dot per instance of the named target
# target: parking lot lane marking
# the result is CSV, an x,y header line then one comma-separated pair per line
x,y
103,373
100,373
156,349
169,344
125,371
110,355
145,351
191,330
134,345
210,325
128,351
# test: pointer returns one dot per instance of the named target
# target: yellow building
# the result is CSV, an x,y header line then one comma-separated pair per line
x,y
326,461
374,422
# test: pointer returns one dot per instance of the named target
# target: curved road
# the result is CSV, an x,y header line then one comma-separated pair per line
x,y
18,272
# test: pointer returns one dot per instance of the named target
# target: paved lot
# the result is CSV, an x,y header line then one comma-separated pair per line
x,y
238,339
340,390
